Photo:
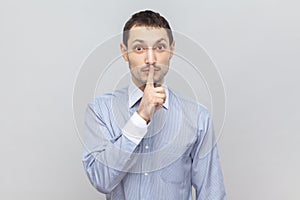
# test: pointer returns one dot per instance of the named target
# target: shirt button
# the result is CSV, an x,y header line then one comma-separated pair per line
x,y
146,147
146,174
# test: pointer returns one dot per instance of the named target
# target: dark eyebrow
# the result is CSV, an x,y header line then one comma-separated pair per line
x,y
142,41
137,40
160,40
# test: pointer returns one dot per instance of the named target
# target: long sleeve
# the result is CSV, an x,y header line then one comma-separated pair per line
x,y
107,153
207,175
135,129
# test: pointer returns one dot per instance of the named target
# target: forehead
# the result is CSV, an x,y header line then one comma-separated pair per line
x,y
149,35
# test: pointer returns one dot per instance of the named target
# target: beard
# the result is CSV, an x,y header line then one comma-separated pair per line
x,y
139,74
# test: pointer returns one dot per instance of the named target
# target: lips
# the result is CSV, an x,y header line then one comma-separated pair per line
x,y
147,69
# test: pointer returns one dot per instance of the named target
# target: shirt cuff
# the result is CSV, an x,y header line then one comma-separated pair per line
x,y
135,129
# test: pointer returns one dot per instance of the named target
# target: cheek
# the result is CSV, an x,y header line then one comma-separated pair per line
x,y
163,58
135,59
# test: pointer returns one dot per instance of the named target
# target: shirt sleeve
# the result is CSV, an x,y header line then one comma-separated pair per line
x,y
135,129
207,177
107,155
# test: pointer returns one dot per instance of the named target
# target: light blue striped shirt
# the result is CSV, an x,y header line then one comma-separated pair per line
x,y
178,150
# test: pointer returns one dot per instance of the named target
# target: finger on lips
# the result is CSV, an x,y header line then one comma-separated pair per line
x,y
150,81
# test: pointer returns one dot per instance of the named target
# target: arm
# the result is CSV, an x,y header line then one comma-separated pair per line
x,y
207,177
108,153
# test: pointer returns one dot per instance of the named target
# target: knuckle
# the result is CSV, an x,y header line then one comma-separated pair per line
x,y
161,101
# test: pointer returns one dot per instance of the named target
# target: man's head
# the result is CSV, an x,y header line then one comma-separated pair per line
x,y
147,40
149,19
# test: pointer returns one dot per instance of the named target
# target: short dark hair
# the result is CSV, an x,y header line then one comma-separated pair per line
x,y
146,18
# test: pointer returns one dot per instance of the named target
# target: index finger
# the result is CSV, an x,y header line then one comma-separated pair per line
x,y
150,80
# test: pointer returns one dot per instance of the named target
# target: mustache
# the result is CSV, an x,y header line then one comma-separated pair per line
x,y
157,67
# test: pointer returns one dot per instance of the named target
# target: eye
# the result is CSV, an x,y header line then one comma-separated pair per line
x,y
161,47
138,49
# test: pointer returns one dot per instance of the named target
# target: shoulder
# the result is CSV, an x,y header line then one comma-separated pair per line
x,y
106,101
108,97
189,104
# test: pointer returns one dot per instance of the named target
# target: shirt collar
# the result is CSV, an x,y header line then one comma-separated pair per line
x,y
134,94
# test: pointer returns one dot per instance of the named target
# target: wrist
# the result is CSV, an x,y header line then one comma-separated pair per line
x,y
142,115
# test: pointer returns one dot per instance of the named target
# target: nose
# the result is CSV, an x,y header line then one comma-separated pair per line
x,y
150,58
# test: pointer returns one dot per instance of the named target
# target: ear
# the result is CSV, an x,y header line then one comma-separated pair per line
x,y
124,51
172,48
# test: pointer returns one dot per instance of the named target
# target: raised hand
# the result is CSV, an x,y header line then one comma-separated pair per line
x,y
153,98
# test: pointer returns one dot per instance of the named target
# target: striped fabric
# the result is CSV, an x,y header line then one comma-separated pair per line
x,y
179,151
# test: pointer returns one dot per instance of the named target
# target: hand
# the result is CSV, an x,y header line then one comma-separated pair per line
x,y
153,98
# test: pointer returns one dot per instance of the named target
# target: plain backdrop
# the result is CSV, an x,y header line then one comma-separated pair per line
x,y
255,44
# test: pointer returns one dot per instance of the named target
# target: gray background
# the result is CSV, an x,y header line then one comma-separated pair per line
x,y
254,44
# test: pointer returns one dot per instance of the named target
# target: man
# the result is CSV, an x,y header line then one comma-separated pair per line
x,y
144,141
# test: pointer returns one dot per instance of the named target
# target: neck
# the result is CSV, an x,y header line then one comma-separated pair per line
x,y
155,85
142,86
